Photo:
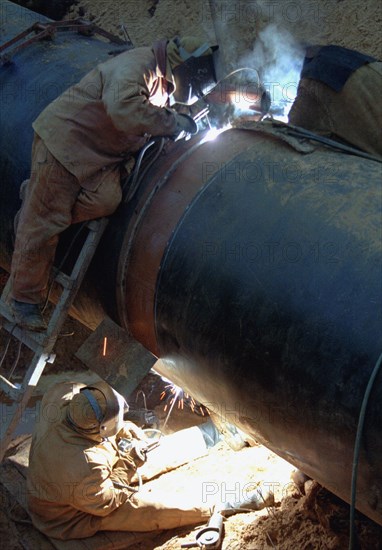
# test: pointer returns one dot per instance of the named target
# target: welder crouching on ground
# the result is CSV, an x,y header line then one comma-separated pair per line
x,y
79,478
81,473
82,141
339,96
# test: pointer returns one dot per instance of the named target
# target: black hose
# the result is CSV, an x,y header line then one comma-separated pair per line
x,y
357,446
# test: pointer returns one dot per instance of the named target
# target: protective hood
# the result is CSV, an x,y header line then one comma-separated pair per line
x,y
192,65
97,409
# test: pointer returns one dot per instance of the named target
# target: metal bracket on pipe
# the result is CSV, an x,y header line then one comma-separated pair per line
x,y
270,128
47,31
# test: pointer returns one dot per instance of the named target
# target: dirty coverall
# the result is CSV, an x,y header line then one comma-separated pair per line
x,y
81,141
71,479
339,96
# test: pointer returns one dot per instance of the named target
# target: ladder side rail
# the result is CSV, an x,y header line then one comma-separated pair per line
x,y
21,397
78,272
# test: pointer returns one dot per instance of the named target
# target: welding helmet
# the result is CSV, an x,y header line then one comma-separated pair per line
x,y
98,409
192,65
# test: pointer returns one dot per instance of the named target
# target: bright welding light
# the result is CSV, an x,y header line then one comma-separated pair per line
x,y
213,133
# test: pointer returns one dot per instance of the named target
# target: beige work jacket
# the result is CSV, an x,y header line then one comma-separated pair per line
x,y
108,115
69,483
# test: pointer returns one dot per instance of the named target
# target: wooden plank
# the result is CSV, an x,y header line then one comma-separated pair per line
x,y
120,359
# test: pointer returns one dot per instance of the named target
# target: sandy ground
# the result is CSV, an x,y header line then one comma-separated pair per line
x,y
256,33
348,23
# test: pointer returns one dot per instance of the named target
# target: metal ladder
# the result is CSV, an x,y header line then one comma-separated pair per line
x,y
42,344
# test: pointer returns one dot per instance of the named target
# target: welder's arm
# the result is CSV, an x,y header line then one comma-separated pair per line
x,y
131,431
97,493
133,114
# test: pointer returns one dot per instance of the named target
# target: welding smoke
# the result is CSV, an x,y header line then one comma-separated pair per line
x,y
273,65
278,57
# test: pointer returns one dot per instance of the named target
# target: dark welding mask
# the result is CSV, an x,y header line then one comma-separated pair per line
x,y
195,76
98,408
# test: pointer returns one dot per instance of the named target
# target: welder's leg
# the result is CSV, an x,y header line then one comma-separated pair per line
x,y
174,450
354,114
101,201
46,211
156,510
359,118
310,108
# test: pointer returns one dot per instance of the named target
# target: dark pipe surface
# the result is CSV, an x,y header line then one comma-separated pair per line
x,y
275,323
56,9
253,271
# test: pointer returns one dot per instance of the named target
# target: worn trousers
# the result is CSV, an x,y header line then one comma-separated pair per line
x,y
353,115
54,199
149,511
152,509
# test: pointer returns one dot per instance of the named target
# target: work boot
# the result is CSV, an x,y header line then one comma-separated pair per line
x,y
256,500
28,316
211,434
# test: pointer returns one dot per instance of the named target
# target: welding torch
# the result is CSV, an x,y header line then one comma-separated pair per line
x,y
142,449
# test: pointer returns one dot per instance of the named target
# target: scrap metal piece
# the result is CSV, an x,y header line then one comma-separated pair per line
x,y
124,363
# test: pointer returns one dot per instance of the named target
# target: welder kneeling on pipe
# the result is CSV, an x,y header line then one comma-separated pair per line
x,y
84,461
339,96
85,137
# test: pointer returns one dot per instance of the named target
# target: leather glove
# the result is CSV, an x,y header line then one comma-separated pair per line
x,y
131,431
132,453
185,126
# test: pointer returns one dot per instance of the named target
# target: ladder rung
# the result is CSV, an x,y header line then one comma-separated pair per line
x,y
31,377
39,342
64,280
94,225
10,389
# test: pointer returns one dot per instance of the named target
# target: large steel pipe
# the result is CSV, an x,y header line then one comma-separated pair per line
x,y
254,272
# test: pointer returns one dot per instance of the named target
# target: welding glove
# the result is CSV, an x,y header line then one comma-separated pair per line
x,y
131,431
131,455
185,127
131,441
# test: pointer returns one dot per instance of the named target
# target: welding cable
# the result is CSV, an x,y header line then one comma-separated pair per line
x,y
252,69
16,361
153,430
137,177
138,162
152,160
241,69
297,131
134,490
144,398
7,345
132,184
357,446
129,487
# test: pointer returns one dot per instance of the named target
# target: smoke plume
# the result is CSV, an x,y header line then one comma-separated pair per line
x,y
278,57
